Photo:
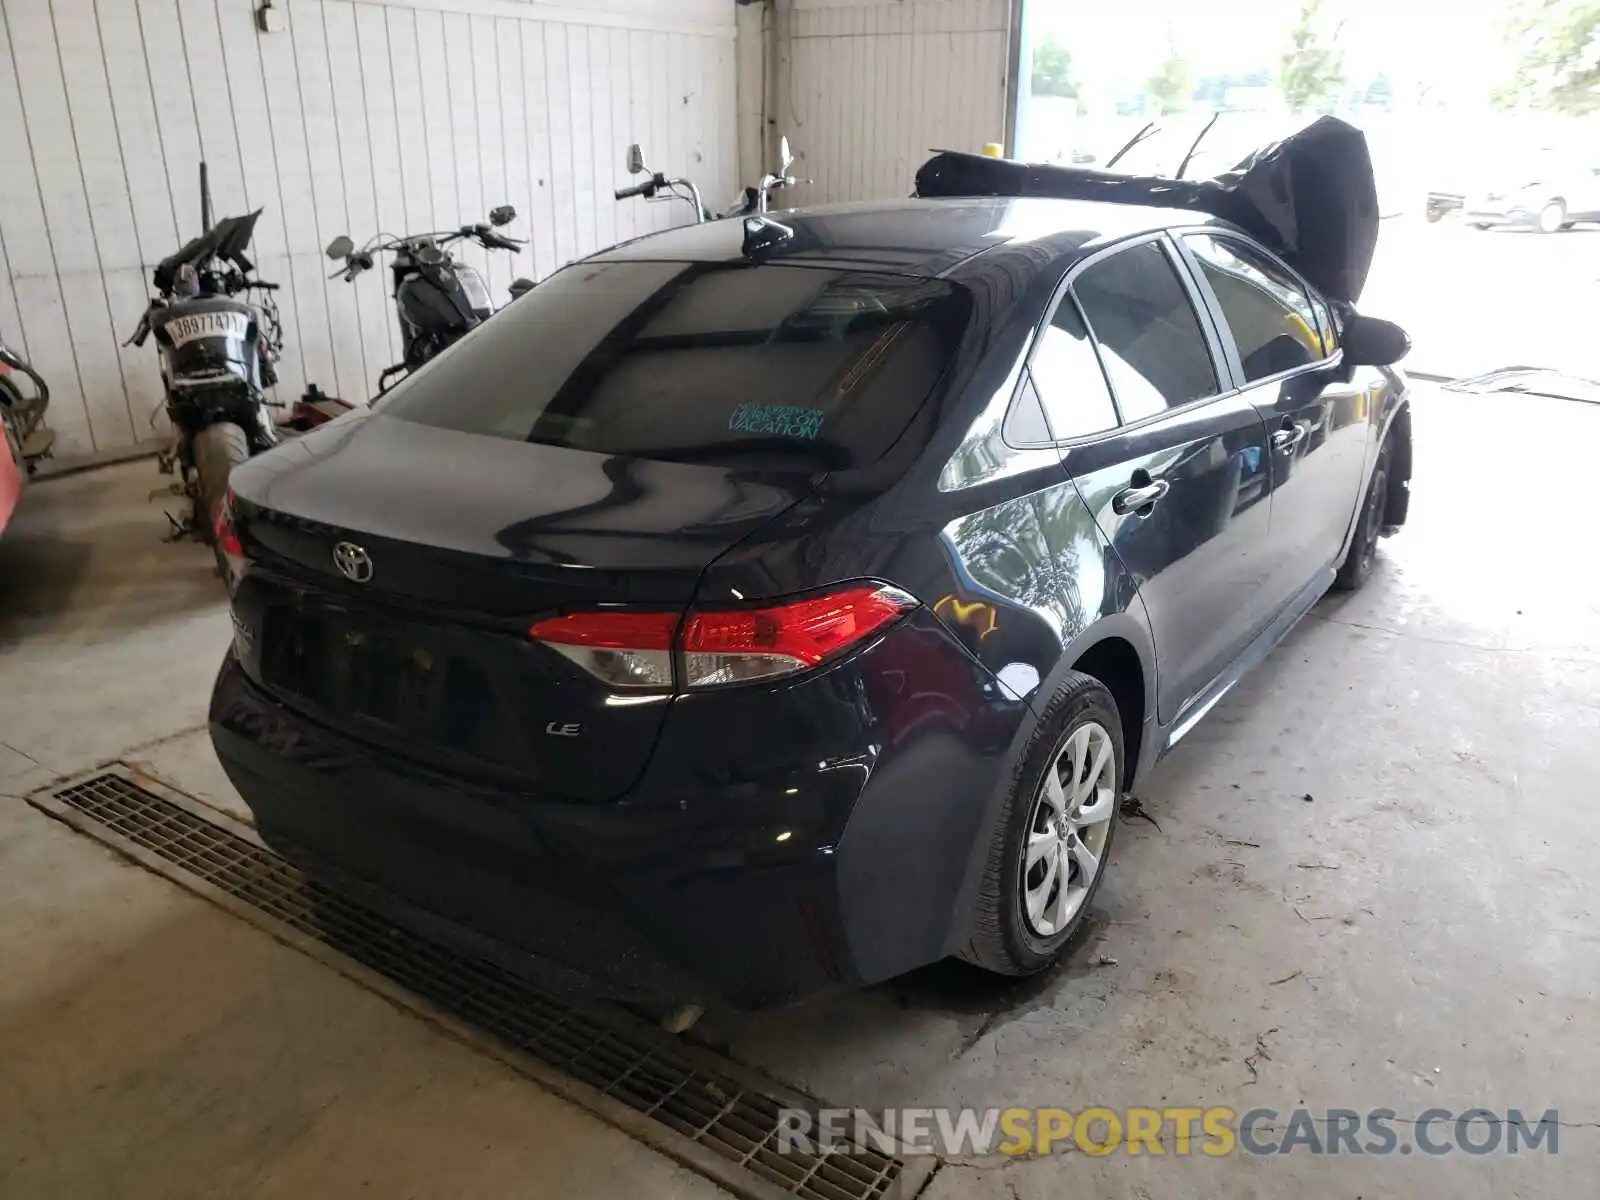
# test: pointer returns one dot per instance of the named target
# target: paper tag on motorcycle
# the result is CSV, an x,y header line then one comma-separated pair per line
x,y
183,330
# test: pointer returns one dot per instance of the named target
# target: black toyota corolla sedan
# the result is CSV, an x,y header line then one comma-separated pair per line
x,y
760,607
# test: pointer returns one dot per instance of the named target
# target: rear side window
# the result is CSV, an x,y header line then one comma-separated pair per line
x,y
1270,314
1149,336
1067,373
703,362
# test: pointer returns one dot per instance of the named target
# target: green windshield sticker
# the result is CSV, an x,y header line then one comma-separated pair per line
x,y
777,420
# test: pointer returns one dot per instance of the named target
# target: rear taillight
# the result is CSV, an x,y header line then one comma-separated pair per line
x,y
732,645
227,540
710,647
622,649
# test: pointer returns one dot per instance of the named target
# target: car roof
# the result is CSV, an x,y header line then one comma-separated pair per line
x,y
914,236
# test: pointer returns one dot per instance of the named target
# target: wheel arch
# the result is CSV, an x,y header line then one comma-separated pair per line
x,y
1119,643
1115,662
1398,501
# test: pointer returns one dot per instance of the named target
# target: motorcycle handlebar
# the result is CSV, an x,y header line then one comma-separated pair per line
x,y
638,189
488,238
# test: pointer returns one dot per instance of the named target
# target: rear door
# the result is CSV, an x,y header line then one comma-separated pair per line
x,y
1178,485
1283,353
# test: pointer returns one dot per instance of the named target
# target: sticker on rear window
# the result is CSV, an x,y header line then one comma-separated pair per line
x,y
777,420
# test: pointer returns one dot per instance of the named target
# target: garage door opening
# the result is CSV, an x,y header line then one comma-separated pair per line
x,y
1484,131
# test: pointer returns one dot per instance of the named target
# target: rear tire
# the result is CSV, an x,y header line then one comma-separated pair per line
x,y
1553,217
217,450
1007,936
1362,556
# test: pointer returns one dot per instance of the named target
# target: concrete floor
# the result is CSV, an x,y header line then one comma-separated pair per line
x,y
151,1046
1419,934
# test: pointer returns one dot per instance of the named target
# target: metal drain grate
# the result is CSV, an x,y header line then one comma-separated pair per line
x,y
712,1110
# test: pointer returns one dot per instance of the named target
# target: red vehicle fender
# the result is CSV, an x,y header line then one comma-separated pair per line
x,y
315,408
12,476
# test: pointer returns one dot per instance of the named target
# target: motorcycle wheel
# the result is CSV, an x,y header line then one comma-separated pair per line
x,y
217,450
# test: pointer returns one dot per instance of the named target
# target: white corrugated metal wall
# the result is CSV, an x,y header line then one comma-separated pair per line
x,y
360,115
864,88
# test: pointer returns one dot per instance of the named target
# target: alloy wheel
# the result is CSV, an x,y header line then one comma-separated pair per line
x,y
1067,833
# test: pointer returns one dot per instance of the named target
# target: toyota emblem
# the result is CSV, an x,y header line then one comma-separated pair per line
x,y
354,563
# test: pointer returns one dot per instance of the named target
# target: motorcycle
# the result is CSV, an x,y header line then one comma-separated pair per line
x,y
750,202
217,356
439,299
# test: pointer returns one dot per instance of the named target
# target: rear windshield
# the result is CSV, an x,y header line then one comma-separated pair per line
x,y
704,362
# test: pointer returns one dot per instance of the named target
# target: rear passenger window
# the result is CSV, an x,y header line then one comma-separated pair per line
x,y
1149,336
1067,374
1270,314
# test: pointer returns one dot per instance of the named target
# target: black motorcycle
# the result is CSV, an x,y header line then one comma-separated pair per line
x,y
751,201
217,353
439,299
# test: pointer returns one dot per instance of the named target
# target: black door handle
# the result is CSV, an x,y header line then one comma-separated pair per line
x,y
1141,496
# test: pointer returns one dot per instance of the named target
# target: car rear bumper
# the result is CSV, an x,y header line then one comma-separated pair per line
x,y
699,886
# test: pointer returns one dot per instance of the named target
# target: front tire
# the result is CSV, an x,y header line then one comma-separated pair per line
x,y
1050,848
1553,217
217,450
1362,556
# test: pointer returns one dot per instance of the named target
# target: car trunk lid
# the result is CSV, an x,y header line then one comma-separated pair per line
x,y
396,569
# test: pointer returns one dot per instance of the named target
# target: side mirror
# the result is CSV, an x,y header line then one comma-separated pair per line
x,y
636,160
1370,342
785,159
503,215
340,247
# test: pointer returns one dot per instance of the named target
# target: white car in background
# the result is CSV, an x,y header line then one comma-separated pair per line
x,y
1548,194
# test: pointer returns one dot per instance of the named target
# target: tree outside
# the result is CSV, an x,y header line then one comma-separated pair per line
x,y
1052,69
1559,69
1311,72
1172,86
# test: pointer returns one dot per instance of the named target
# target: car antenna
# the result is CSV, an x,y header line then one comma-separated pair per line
x,y
1195,145
1149,128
